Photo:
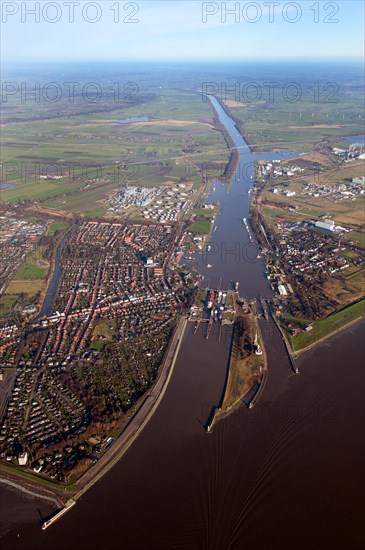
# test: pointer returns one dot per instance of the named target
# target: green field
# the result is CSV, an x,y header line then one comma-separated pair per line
x,y
202,226
203,218
28,282
106,329
6,304
54,227
27,287
357,237
35,266
104,332
205,212
325,327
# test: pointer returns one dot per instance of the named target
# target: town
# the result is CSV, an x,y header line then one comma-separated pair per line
x,y
74,374
307,214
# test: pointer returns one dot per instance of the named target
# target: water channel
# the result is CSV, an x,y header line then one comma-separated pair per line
x,y
286,474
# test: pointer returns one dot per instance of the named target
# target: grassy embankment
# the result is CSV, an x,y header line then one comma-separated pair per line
x,y
18,472
328,326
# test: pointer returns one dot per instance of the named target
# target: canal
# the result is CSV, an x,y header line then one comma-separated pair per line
x,y
285,474
50,295
232,256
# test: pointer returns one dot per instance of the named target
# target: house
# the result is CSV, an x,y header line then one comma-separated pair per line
x,y
23,459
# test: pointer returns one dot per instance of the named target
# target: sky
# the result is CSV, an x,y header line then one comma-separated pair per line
x,y
187,30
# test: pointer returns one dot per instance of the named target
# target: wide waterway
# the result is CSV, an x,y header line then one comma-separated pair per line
x,y
286,474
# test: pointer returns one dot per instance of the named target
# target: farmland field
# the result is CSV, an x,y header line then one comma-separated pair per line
x,y
74,163
298,113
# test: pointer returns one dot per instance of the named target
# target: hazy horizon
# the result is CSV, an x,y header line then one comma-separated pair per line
x,y
183,31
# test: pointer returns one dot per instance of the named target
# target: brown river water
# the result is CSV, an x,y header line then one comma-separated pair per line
x,y
286,474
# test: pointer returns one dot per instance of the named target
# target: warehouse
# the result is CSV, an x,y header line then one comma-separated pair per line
x,y
327,225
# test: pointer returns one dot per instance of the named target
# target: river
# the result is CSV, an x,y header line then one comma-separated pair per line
x,y
49,298
285,474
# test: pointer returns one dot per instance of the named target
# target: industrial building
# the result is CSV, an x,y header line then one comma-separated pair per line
x,y
282,290
327,225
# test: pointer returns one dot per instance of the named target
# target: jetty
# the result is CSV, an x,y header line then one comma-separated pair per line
x,y
69,504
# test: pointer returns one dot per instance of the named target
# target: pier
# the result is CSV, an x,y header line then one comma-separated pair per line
x,y
287,347
260,389
69,504
211,419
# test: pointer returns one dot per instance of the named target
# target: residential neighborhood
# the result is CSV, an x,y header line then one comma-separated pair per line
x,y
74,373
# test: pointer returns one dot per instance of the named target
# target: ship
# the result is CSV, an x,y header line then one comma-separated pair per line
x,y
236,285
209,266
247,229
211,298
